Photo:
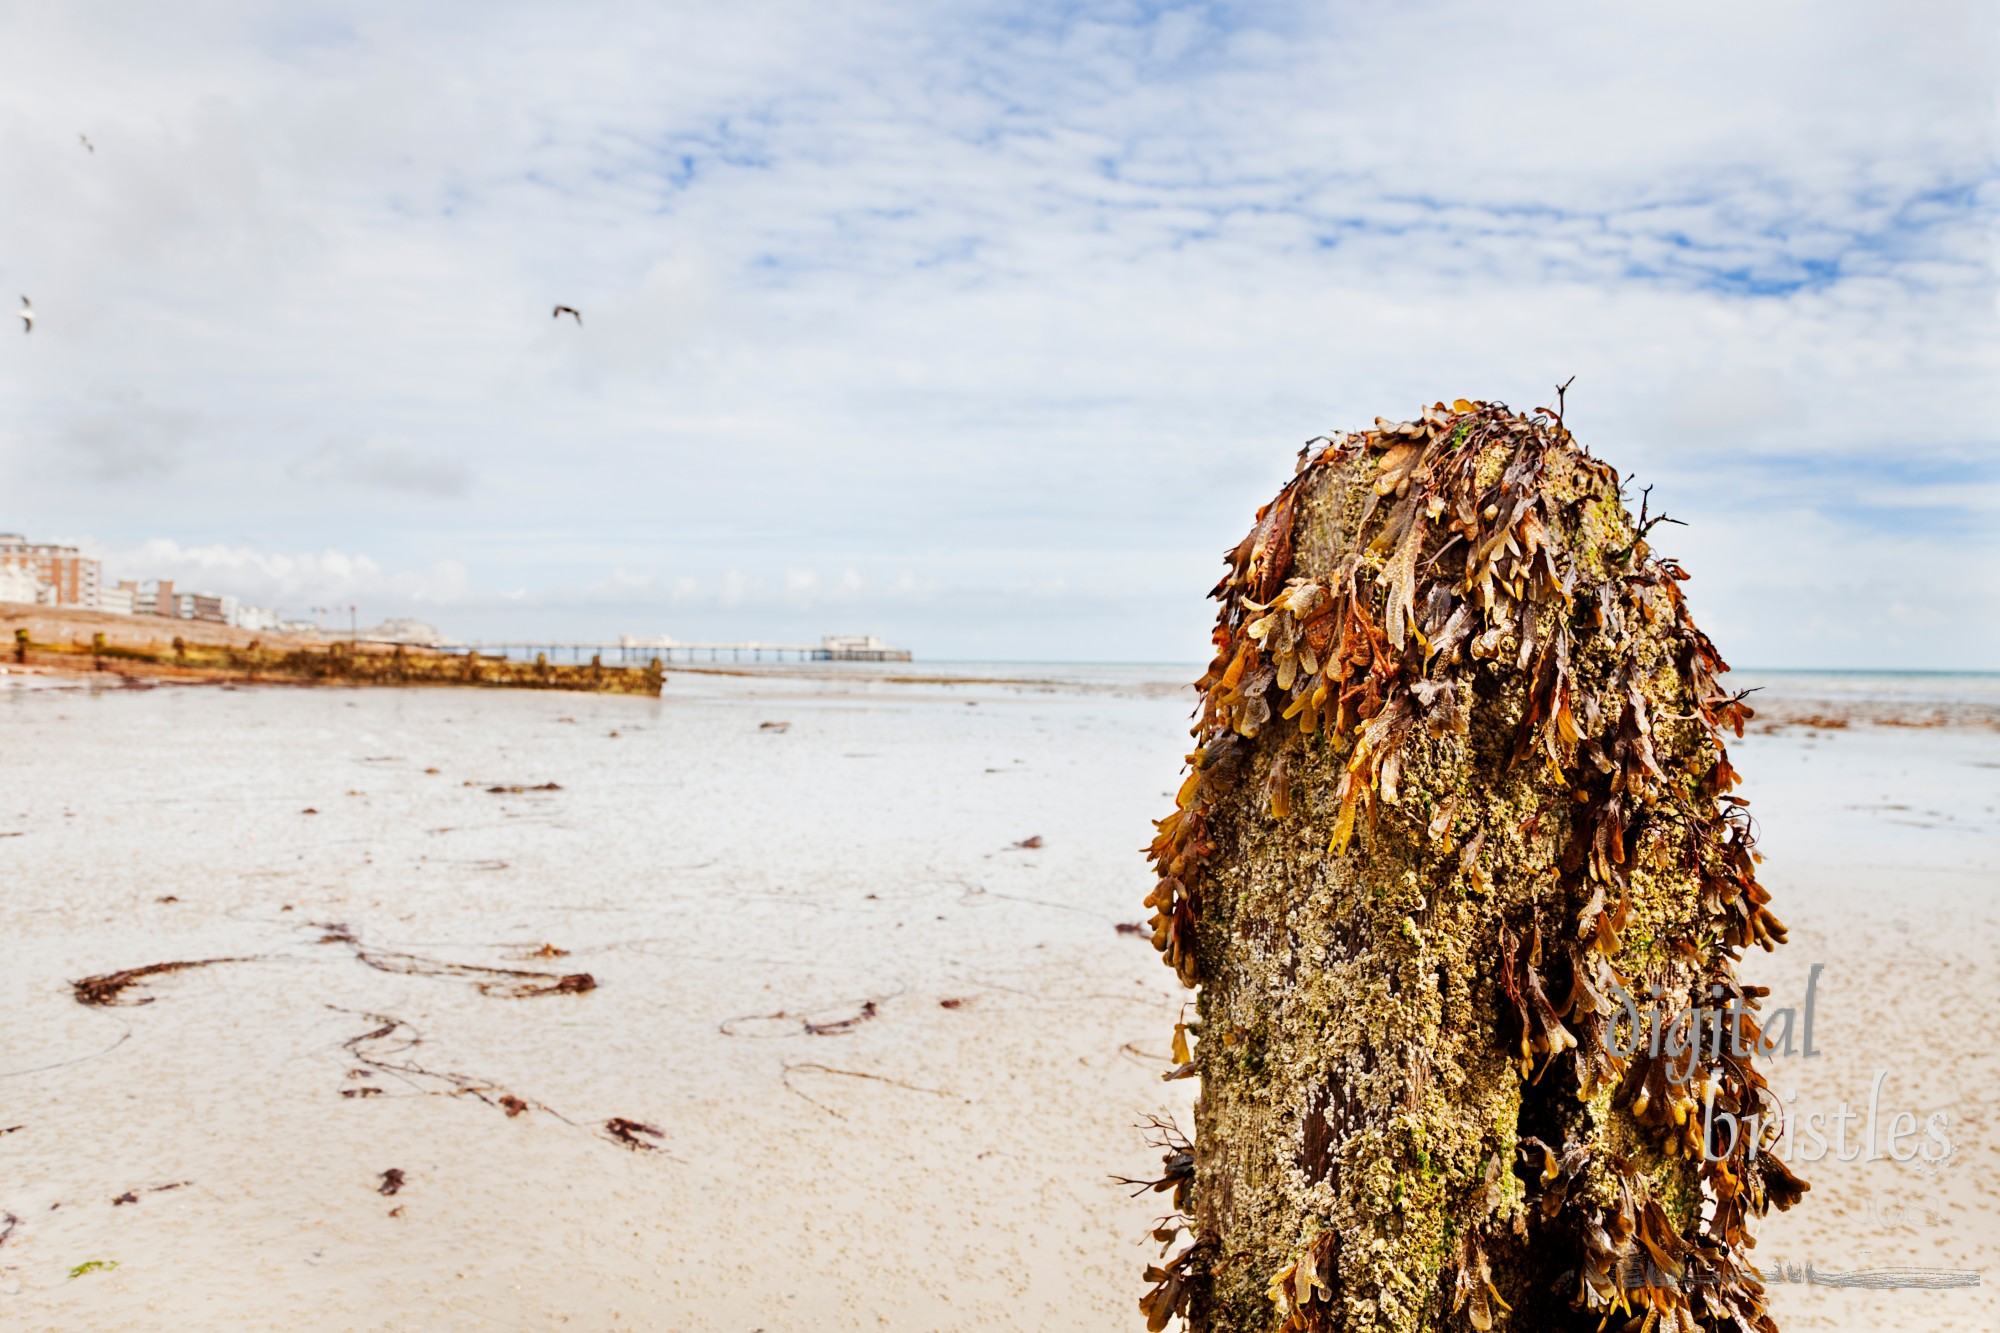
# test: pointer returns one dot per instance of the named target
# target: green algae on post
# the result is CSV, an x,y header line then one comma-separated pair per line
x,y
1458,811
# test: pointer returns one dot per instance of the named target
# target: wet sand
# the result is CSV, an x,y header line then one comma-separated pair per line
x,y
709,874
775,921
1882,852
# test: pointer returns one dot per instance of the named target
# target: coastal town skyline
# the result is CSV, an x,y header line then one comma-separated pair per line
x,y
54,575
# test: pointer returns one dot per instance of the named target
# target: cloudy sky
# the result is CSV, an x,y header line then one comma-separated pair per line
x,y
986,327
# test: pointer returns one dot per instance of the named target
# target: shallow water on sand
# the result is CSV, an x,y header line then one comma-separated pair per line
x,y
742,895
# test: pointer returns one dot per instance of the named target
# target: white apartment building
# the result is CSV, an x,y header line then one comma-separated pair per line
x,y
21,585
71,577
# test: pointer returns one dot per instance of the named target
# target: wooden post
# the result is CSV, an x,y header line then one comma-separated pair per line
x,y
1458,787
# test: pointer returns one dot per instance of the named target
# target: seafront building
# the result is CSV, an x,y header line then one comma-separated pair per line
x,y
19,585
415,633
159,597
57,575
46,574
859,648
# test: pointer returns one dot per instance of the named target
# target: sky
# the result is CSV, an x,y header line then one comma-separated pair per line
x,y
986,327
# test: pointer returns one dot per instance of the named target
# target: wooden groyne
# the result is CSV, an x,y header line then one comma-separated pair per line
x,y
1459,794
334,663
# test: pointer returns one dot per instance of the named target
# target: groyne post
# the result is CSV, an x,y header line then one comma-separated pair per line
x,y
1458,792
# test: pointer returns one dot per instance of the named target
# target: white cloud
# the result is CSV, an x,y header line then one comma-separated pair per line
x,y
1005,298
292,582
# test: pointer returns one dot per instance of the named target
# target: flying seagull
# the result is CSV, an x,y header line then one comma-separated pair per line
x,y
569,310
27,314
84,139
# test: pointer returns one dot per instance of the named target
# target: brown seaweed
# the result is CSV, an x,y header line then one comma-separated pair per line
x,y
1476,587
384,1049
784,1023
132,1195
505,982
627,1132
109,988
810,1067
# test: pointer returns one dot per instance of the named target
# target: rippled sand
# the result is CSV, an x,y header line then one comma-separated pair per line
x,y
731,889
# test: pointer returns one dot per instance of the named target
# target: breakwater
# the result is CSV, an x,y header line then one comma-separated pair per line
x,y
333,663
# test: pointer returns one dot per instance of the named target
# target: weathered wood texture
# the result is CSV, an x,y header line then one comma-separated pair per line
x,y
1458,778
337,663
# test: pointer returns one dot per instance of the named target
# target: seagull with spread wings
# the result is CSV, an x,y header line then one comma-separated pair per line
x,y
569,310
88,146
27,314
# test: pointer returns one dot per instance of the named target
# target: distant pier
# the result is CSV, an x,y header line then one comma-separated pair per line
x,y
632,650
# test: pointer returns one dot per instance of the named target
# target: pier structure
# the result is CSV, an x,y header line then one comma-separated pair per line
x,y
635,650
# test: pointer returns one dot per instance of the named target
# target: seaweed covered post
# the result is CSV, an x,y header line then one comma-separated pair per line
x,y
1459,874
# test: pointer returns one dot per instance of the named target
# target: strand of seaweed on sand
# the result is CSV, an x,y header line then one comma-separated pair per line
x,y
508,982
110,989
813,1067
806,1025
787,1023
405,1037
377,1051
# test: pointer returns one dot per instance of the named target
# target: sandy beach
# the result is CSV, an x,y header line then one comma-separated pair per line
x,y
854,1058
1881,854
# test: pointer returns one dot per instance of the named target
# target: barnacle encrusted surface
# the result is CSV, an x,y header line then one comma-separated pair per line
x,y
1459,776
